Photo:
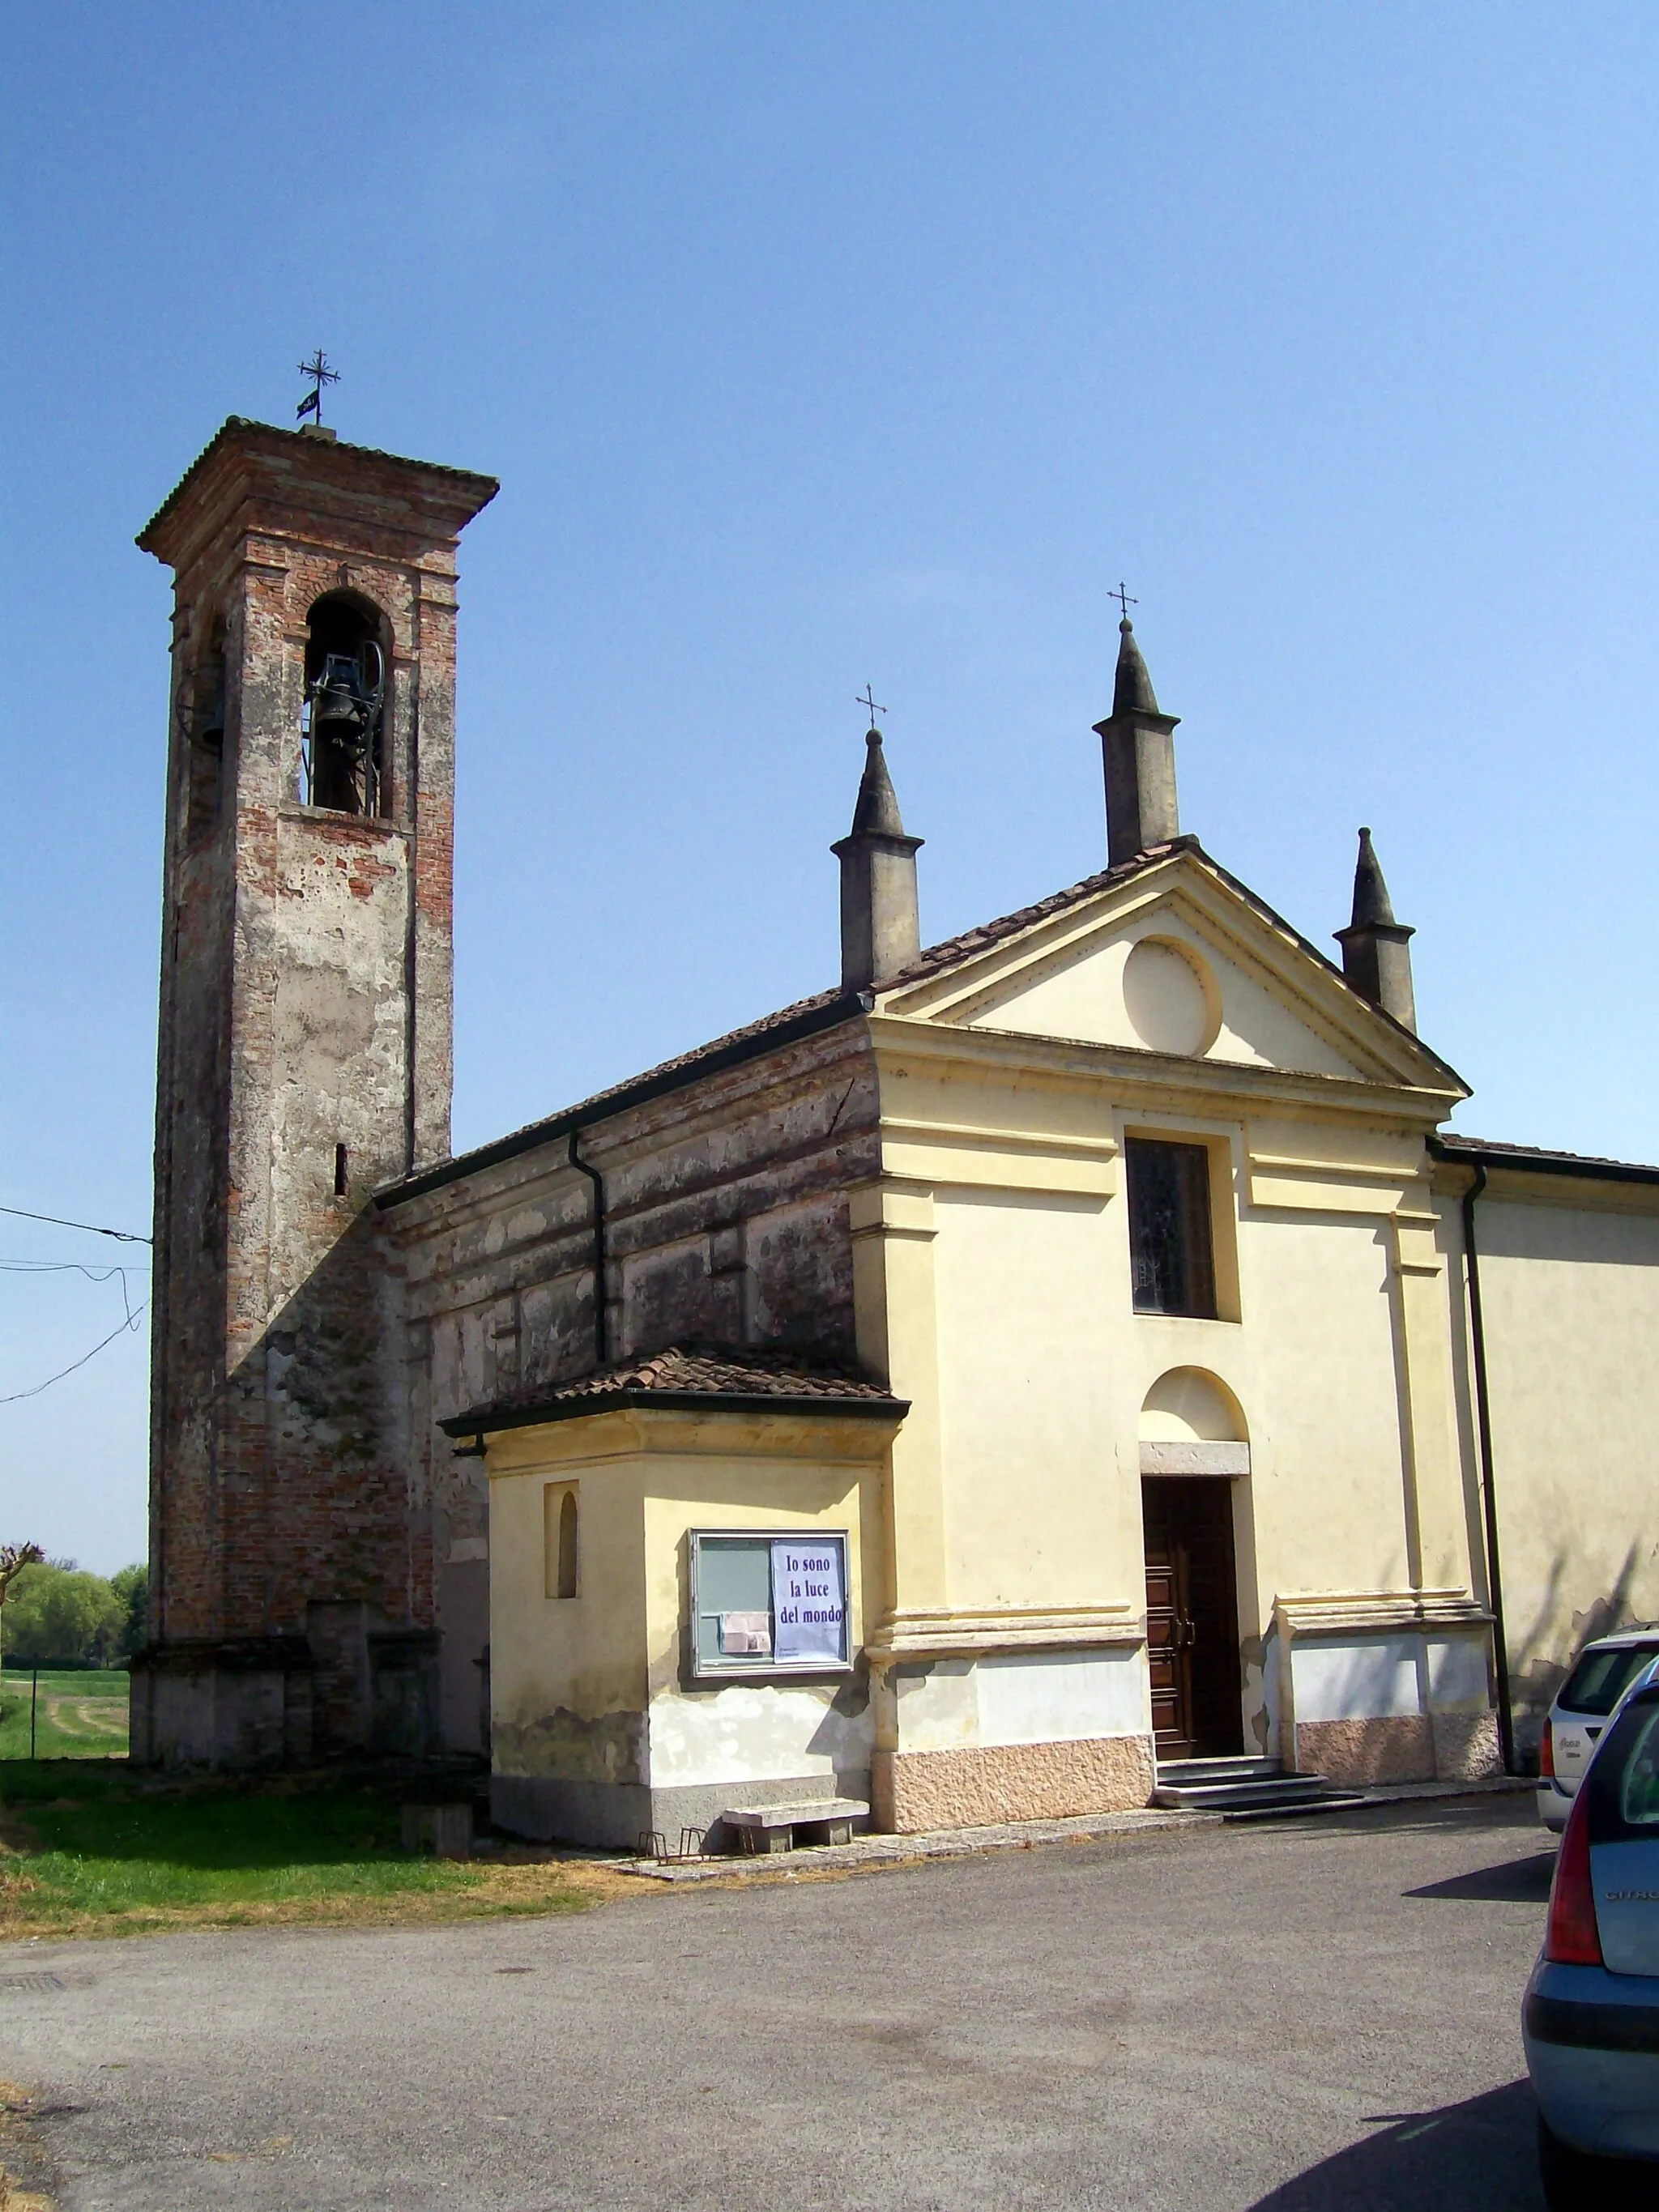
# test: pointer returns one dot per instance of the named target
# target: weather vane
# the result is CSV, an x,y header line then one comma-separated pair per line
x,y
318,370
867,699
1123,598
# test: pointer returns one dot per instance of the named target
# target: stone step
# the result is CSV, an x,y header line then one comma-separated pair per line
x,y
1242,1788
1245,1789
1221,1796
1182,1773
1331,1800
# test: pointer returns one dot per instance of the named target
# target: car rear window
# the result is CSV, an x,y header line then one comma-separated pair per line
x,y
1601,1678
1639,1785
1624,1776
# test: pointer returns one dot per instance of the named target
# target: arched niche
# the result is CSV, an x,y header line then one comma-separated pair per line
x,y
567,1545
1192,1424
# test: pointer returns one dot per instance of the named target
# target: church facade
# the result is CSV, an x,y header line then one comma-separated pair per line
x,y
1043,1357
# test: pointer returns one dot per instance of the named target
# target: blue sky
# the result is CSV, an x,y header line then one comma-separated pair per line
x,y
815,345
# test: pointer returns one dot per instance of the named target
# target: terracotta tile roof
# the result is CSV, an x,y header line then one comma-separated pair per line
x,y
733,1378
825,1010
987,933
1450,1145
237,425
828,1009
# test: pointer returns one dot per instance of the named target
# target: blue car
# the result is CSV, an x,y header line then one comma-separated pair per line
x,y
1590,2021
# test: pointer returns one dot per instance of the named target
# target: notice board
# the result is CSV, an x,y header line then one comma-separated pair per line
x,y
770,1601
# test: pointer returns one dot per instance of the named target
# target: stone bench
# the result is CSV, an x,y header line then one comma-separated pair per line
x,y
772,1827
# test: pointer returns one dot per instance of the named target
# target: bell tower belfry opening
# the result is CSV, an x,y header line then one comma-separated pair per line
x,y
343,766
304,1060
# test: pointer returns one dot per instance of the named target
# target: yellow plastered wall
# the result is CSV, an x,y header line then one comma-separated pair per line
x,y
1320,1388
574,1679
1080,993
1044,1367
1033,1513
776,1476
565,1673
1571,1294
743,1484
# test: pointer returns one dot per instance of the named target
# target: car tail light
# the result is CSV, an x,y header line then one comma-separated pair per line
x,y
1546,1752
1572,1938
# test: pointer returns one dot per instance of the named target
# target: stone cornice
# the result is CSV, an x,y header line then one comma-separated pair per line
x,y
254,479
1370,1613
1132,1074
949,1634
821,1431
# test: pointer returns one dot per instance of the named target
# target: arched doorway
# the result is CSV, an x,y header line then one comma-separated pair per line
x,y
1193,1449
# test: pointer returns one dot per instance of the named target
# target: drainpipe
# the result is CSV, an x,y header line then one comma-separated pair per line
x,y
1483,1423
601,1318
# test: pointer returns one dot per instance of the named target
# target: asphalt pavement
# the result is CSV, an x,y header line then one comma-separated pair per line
x,y
1316,2015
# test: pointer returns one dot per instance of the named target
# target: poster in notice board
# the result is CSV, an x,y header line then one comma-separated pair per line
x,y
809,1602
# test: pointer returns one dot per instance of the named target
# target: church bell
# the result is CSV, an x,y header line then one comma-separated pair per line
x,y
209,717
345,699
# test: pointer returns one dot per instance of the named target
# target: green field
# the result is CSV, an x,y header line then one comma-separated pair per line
x,y
93,1849
79,1715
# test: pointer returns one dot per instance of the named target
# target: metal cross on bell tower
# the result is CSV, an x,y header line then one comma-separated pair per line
x,y
318,370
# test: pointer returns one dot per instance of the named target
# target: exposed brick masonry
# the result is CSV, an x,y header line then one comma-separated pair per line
x,y
304,1006
319,1572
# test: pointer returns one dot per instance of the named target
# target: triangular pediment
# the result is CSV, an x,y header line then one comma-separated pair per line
x,y
1172,956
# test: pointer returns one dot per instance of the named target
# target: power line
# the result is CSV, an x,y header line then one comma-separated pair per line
x,y
71,1267
121,1236
74,1267
120,1329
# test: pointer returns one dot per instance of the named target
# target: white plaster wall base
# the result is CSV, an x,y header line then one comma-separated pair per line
x,y
757,1732
1061,1697
1007,1698
1405,1702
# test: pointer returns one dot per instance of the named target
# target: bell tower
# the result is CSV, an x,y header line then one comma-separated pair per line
x,y
304,1060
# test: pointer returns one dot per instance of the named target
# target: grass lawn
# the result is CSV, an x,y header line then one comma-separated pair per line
x,y
79,1715
99,1849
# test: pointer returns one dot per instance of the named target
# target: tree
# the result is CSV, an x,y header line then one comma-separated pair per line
x,y
131,1586
14,1558
64,1616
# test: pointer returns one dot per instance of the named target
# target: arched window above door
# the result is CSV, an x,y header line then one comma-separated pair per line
x,y
1192,1424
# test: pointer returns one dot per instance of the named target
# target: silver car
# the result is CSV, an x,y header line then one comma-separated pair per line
x,y
1590,2020
1605,1670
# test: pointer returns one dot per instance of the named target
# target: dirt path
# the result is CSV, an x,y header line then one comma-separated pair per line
x,y
96,1717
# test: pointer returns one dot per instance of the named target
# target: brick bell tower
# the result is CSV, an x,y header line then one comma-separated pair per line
x,y
304,1060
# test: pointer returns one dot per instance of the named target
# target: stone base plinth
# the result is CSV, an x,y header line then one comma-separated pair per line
x,y
1391,1748
979,1786
1400,1748
239,1703
1466,1747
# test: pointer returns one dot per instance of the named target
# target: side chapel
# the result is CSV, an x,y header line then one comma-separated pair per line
x,y
1038,1361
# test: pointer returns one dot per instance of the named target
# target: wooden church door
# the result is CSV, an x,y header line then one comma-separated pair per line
x,y
1192,1617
